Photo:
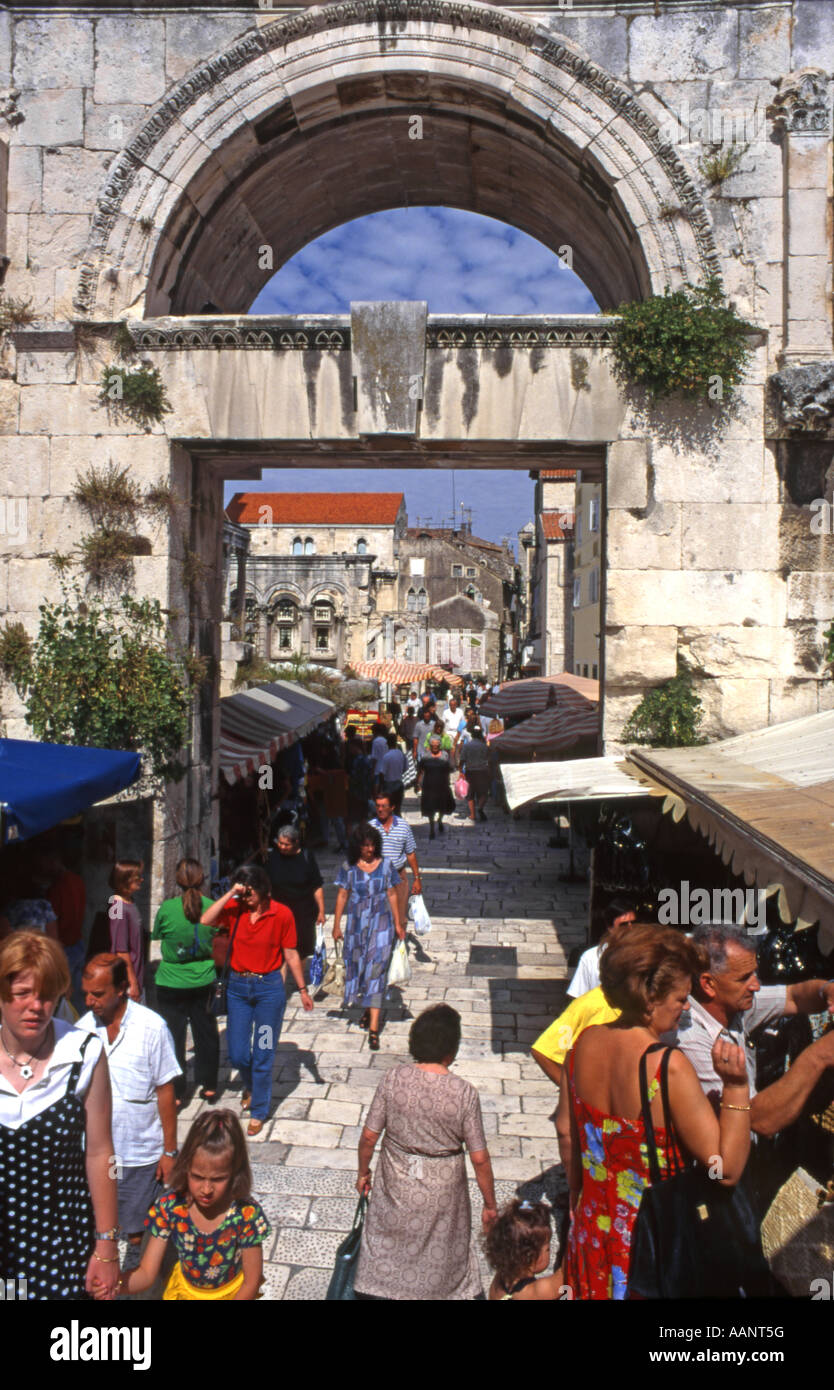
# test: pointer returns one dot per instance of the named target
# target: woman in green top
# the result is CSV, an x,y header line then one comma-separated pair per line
x,y
186,977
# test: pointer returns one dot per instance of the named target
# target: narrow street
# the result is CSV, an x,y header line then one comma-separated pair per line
x,y
488,886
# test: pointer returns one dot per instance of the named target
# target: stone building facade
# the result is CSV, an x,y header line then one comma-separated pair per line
x,y
148,200
320,568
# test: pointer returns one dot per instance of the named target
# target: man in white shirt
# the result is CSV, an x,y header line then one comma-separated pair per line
x,y
728,999
587,971
143,1065
453,720
412,704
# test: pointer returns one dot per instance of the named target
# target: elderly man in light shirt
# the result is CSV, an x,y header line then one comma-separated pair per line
x,y
727,998
142,1065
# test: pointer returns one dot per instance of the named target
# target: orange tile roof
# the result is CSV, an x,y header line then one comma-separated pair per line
x,y
557,526
568,473
311,508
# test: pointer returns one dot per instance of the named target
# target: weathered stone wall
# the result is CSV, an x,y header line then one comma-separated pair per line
x,y
152,155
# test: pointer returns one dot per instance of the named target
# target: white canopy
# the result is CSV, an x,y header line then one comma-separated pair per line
x,y
582,779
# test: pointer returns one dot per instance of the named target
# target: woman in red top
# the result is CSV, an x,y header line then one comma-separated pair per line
x,y
264,936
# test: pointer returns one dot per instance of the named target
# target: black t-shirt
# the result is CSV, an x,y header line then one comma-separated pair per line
x,y
292,875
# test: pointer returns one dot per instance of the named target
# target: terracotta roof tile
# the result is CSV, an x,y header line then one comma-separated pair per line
x,y
557,526
315,508
569,473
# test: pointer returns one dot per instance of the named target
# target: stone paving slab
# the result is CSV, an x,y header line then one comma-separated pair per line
x,y
495,884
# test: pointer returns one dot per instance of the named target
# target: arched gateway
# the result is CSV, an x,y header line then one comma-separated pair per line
x,y
162,164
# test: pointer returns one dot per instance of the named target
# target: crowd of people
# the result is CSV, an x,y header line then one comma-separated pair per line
x,y
652,1059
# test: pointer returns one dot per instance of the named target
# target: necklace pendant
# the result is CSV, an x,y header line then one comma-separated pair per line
x,y
26,1072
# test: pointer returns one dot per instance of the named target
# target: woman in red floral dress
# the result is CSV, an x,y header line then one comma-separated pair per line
x,y
646,972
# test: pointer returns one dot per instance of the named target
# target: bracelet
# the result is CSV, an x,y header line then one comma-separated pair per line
x,y
113,1260
725,1105
170,1153
112,1234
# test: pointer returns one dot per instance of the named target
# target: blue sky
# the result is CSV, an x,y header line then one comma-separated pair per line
x,y
460,263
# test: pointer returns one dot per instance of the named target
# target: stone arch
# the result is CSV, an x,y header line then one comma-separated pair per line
x,y
524,128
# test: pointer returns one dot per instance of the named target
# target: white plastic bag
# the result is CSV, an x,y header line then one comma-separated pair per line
x,y
418,913
399,971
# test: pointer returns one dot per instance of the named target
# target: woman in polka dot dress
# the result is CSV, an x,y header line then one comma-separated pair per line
x,y
57,1189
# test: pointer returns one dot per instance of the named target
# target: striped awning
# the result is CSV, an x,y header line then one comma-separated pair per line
x,y
574,718
403,672
257,723
538,693
574,779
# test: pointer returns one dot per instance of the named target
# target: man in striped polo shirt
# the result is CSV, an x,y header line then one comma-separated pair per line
x,y
399,847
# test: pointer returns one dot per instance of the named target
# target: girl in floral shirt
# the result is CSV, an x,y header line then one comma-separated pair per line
x,y
216,1226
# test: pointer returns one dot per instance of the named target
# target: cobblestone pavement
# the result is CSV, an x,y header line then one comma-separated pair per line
x,y
488,885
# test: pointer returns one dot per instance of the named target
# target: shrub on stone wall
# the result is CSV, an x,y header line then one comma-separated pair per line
x,y
669,716
138,393
689,342
104,675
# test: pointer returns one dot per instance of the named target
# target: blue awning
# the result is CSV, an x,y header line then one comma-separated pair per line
x,y
44,783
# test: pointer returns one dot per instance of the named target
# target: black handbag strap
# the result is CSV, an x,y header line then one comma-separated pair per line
x,y
646,1108
672,1147
227,964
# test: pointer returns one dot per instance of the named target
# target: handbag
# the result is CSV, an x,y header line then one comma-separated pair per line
x,y
217,1004
334,976
340,1288
798,1235
409,776
692,1237
461,788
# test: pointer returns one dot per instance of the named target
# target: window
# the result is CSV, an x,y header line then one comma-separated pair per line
x,y
593,514
309,546
322,619
577,672
284,638
422,599
594,670
470,572
361,546
285,610
585,669
578,537
577,594
411,601
322,639
457,571
298,546
322,613
593,586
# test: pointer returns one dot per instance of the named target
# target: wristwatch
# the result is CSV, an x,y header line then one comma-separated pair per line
x,y
112,1234
170,1153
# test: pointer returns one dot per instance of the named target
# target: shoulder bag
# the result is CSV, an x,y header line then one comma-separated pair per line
x,y
217,1001
692,1237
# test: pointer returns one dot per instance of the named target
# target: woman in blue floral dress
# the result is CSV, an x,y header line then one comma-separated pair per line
x,y
367,899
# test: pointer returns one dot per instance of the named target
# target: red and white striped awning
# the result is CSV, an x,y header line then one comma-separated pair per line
x,y
538,693
257,723
574,718
403,672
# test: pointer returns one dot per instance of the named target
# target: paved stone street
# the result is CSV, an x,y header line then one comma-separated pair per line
x,y
487,885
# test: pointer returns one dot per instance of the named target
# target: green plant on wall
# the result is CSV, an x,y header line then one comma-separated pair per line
x,y
829,648
136,392
669,716
105,675
689,342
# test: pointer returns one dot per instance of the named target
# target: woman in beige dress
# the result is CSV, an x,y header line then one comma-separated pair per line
x,y
417,1237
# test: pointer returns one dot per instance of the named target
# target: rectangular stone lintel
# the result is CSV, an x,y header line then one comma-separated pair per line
x,y
48,337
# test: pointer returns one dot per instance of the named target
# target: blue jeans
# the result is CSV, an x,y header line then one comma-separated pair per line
x,y
255,1005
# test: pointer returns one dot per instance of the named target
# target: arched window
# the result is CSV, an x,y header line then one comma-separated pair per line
x,y
309,547
298,546
361,546
422,599
411,601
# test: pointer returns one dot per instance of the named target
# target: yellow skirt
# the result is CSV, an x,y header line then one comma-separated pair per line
x,y
178,1288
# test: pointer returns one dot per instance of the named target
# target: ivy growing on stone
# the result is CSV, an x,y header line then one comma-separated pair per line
x,y
669,716
689,342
